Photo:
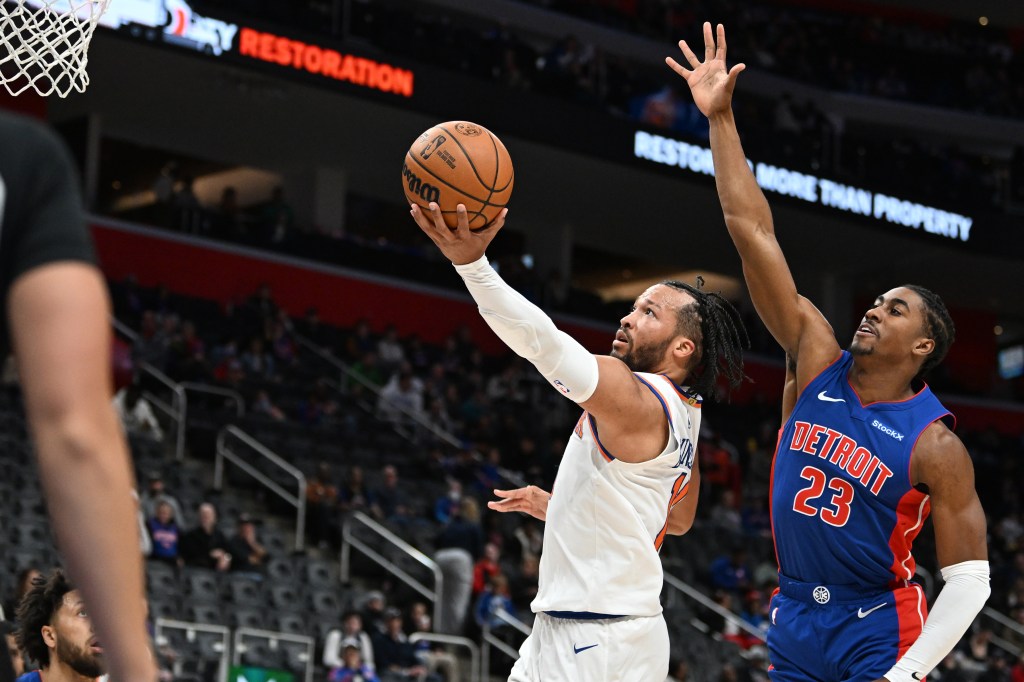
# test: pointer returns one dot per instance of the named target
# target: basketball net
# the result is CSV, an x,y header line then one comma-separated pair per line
x,y
44,44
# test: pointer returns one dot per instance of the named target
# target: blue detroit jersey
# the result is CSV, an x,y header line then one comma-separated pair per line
x,y
843,509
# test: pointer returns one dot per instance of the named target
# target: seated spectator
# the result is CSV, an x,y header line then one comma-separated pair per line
x,y
730,571
526,582
435,656
352,668
156,493
388,498
396,656
265,406
256,361
135,413
530,535
390,351
351,633
496,597
354,494
164,534
372,613
447,506
247,554
206,546
401,399
486,568
322,507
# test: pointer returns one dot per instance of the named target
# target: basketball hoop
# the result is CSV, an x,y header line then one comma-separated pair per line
x,y
44,44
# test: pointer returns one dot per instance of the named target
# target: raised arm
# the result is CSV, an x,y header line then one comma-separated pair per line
x,y
792,320
633,422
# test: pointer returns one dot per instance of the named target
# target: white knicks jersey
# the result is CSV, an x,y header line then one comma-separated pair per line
x,y
607,518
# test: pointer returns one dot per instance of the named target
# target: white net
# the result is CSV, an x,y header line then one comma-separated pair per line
x,y
44,44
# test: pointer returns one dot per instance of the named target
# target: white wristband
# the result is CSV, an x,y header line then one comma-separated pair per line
x,y
963,596
528,331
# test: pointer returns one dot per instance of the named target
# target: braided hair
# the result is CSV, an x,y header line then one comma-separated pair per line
x,y
716,329
938,327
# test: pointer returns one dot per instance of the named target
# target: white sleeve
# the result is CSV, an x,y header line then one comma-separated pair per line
x,y
963,596
332,657
524,328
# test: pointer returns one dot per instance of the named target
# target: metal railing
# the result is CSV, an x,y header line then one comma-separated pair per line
x,y
234,396
175,410
124,330
476,673
1008,623
346,374
297,500
191,630
274,640
490,640
708,603
349,540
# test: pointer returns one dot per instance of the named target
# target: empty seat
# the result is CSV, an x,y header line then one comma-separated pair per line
x,y
284,596
201,585
245,590
320,574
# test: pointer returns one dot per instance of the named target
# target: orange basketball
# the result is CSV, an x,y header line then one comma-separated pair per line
x,y
459,162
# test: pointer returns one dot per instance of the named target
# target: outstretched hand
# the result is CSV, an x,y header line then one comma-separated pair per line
x,y
461,245
531,500
710,81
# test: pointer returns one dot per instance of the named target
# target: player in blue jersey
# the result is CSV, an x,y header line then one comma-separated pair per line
x,y
863,457
55,631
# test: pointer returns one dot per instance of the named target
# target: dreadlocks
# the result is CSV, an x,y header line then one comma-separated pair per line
x,y
716,329
938,327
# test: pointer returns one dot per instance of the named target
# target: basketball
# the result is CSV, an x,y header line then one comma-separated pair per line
x,y
459,162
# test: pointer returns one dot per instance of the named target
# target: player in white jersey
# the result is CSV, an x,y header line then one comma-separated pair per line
x,y
624,478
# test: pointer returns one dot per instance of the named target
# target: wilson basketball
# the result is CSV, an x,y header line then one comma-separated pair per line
x,y
459,162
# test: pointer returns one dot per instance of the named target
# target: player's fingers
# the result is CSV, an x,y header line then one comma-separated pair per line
x,y
492,227
441,231
508,494
677,67
709,42
720,52
734,73
423,222
688,53
461,221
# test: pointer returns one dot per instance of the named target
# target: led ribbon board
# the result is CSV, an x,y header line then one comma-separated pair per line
x,y
810,188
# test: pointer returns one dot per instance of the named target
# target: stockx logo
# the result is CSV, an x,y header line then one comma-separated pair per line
x,y
889,431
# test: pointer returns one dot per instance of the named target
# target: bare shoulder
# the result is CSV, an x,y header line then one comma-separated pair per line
x,y
631,417
817,347
940,458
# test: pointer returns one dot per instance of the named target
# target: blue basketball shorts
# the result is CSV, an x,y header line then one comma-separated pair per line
x,y
841,633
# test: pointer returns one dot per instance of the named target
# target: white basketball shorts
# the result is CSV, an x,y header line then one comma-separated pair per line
x,y
631,649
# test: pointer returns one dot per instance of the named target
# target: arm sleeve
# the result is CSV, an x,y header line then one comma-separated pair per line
x,y
524,328
963,596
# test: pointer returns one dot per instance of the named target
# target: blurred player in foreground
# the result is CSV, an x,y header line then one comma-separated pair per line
x,y
57,319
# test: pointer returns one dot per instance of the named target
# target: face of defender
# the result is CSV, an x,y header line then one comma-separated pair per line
x,y
645,334
894,326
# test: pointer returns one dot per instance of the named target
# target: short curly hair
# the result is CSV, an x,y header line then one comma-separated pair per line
x,y
37,609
